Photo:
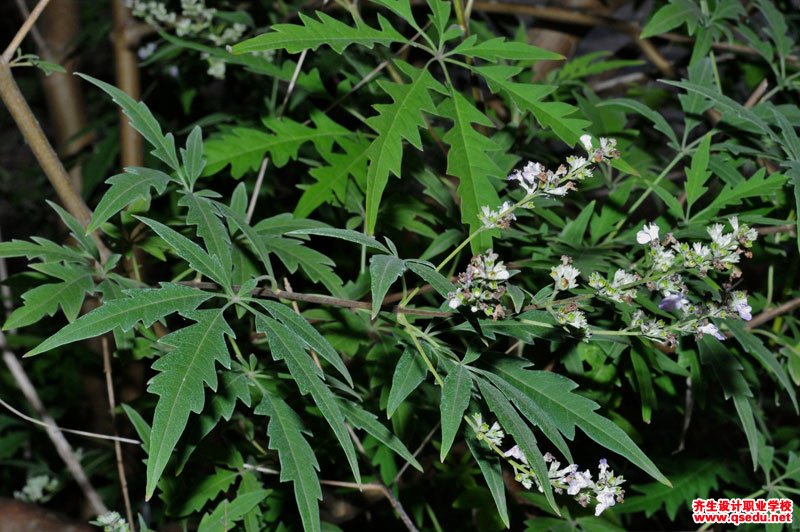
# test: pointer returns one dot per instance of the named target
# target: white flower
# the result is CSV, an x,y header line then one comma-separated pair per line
x,y
606,498
710,328
577,481
516,452
564,275
663,259
586,140
495,434
573,318
740,306
648,234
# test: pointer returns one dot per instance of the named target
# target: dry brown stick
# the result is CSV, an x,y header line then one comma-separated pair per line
x,y
123,480
768,315
8,54
382,490
757,94
44,152
37,37
583,19
791,228
127,76
421,446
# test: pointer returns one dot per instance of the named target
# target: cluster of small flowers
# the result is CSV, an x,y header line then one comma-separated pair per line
x,y
196,20
37,489
535,178
565,274
499,219
112,522
619,289
721,255
482,285
493,434
606,490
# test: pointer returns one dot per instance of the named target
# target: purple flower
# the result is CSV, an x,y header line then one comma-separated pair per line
x,y
672,302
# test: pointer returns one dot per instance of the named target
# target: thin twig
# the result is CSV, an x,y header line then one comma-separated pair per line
x,y
8,54
44,152
123,480
61,444
260,469
265,163
757,94
37,37
768,315
422,445
381,489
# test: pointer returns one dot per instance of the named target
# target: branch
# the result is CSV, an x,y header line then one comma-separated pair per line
x,y
44,152
769,315
8,54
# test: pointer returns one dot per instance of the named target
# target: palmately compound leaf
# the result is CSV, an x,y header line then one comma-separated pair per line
x,y
298,463
244,148
456,393
308,334
309,379
197,257
126,188
469,160
180,383
395,122
553,393
45,299
140,305
529,97
312,34
143,121
384,270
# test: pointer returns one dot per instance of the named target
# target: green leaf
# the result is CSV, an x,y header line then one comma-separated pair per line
x,y
206,490
659,122
308,334
141,426
76,229
757,185
179,384
645,383
498,49
456,393
532,411
553,393
342,234
469,160
245,148
141,305
367,421
695,480
384,270
408,375
308,377
254,240
198,259
573,232
193,161
40,248
752,345
428,273
298,463
697,174
523,436
228,512
394,122
665,19
312,34
489,464
528,97
318,267
126,188
729,373
203,214
45,299
333,178
143,121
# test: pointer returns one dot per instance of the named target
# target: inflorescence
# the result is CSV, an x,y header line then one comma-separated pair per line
x,y
606,491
